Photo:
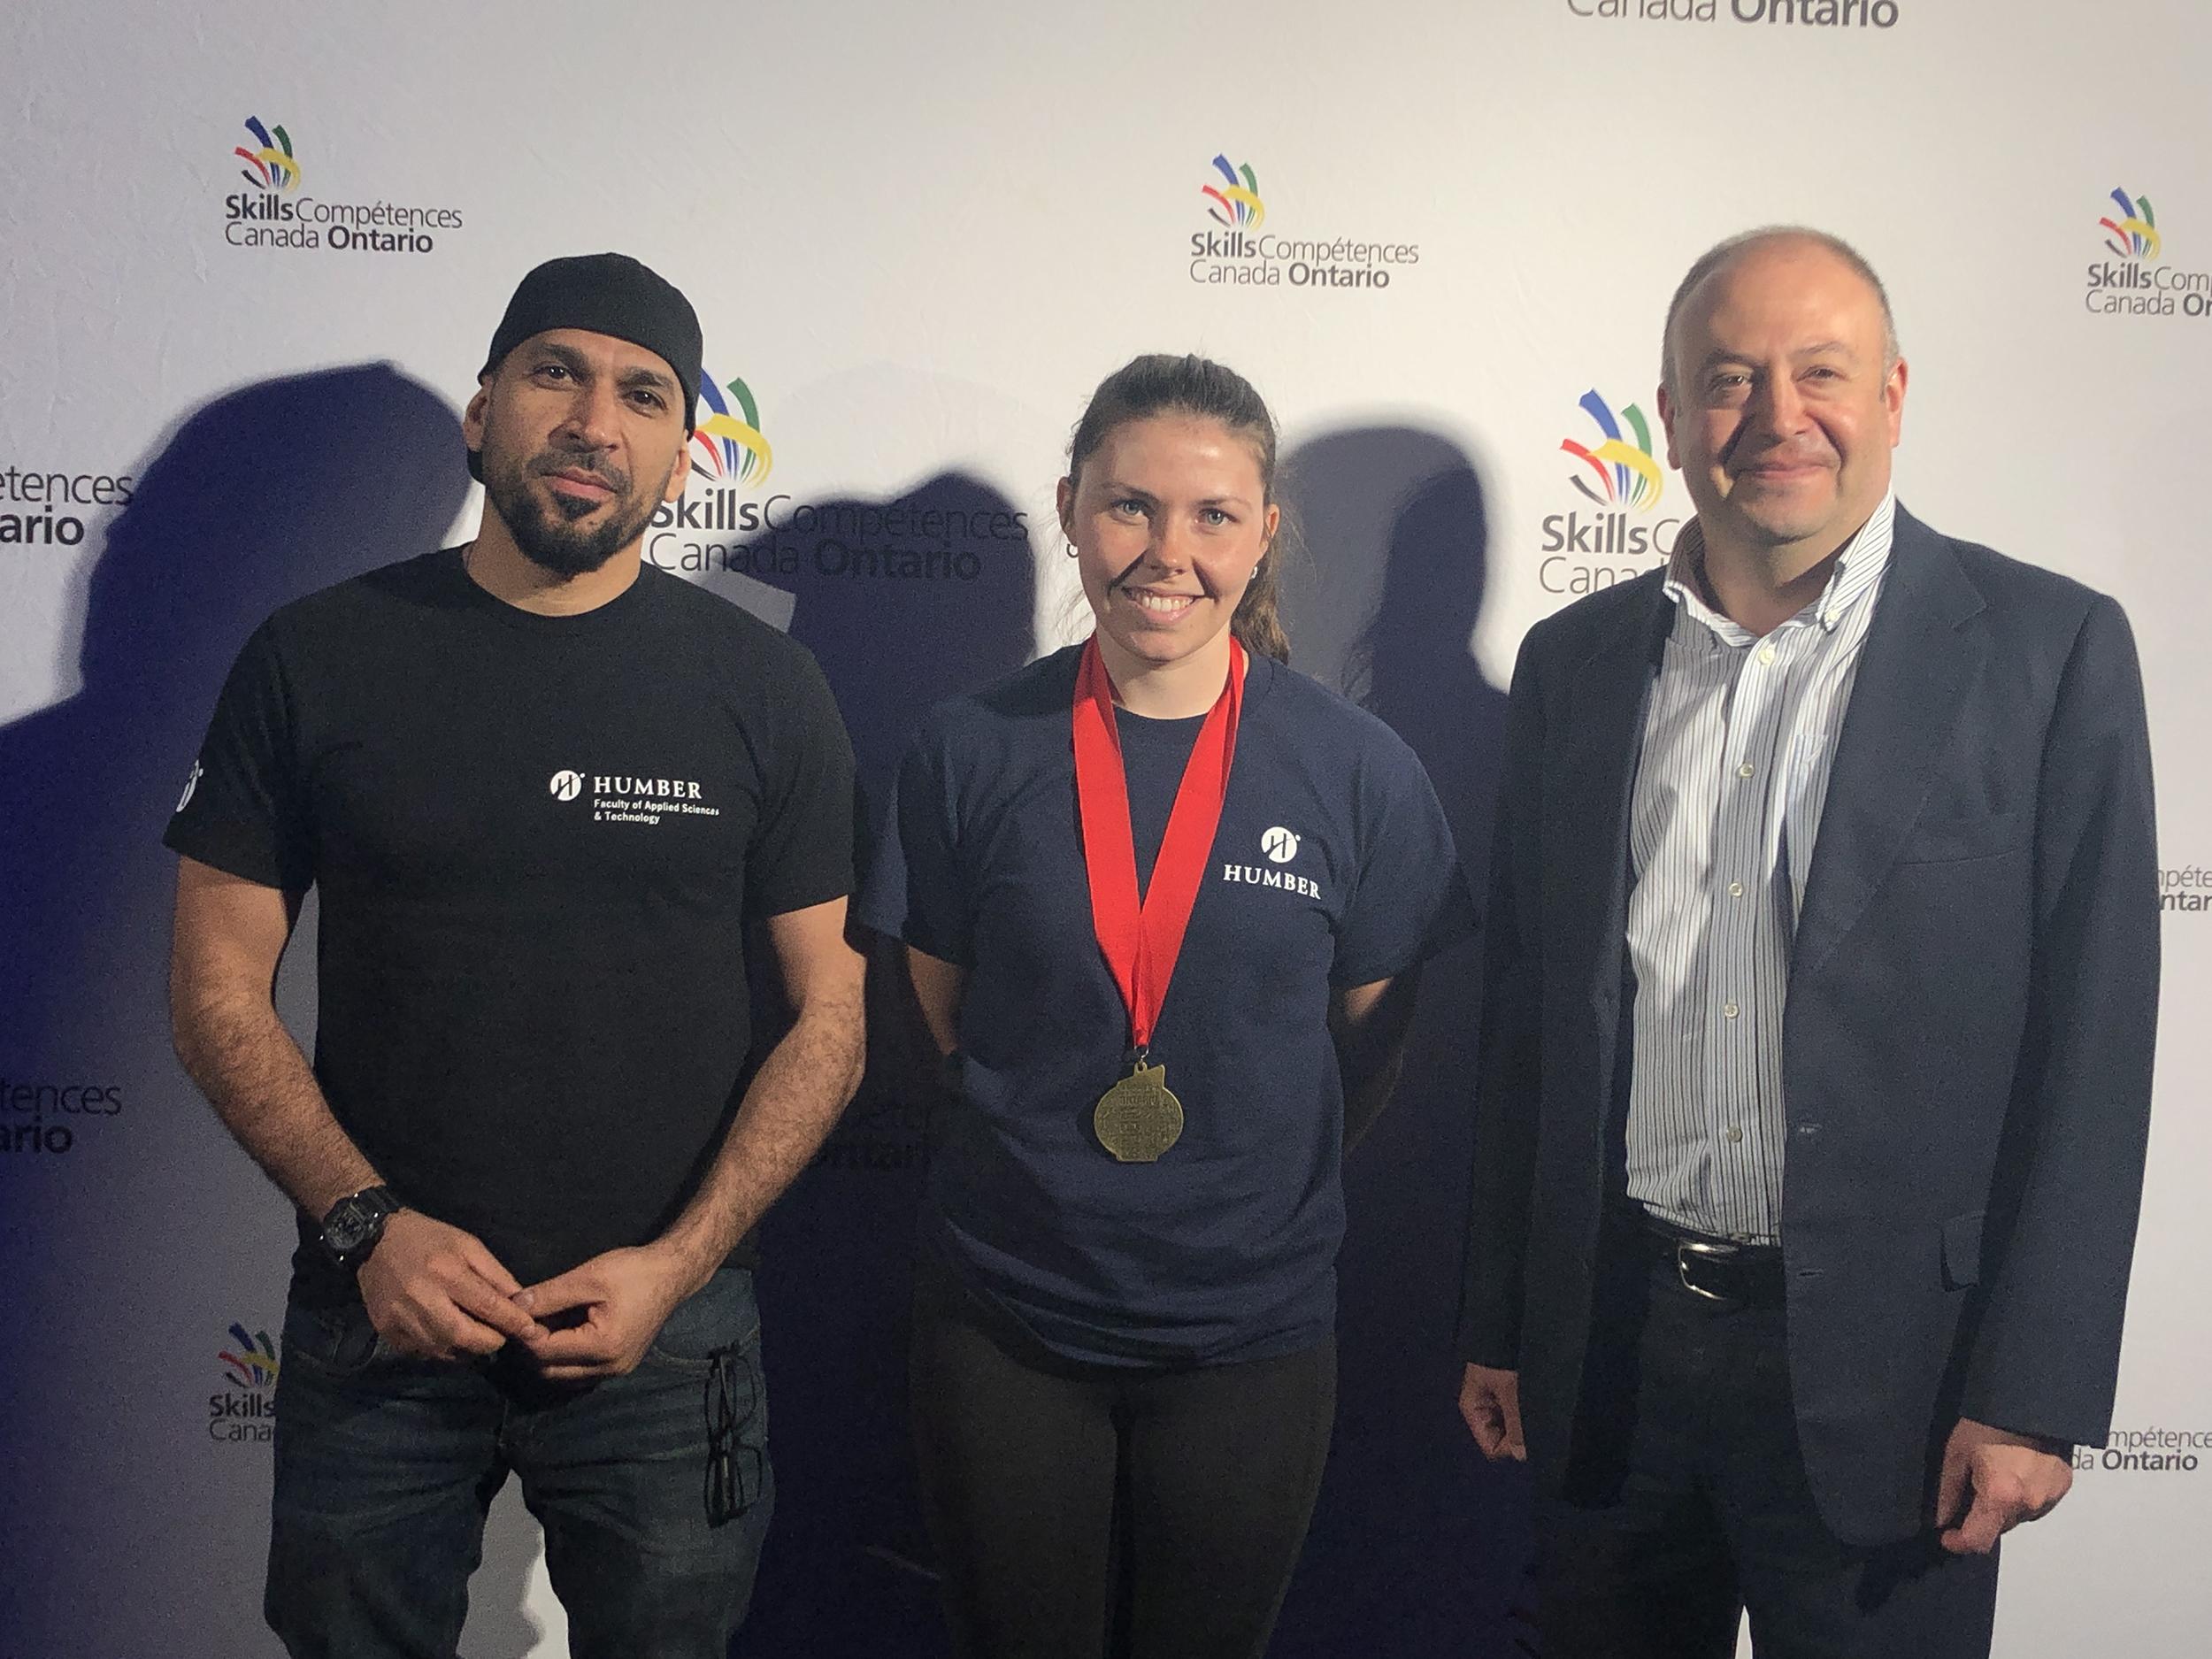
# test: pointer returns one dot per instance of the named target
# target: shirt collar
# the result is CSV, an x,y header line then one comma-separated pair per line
x,y
1858,570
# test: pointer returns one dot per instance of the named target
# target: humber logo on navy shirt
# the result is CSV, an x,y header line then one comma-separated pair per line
x,y
1278,846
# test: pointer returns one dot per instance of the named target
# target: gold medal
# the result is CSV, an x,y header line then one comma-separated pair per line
x,y
1138,1120
1140,935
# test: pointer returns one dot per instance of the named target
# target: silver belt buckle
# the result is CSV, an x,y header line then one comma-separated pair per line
x,y
1685,1248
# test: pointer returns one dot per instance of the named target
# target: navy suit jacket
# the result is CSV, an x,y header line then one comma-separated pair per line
x,y
1966,1045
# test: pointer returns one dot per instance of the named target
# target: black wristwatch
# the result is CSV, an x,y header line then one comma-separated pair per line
x,y
354,1225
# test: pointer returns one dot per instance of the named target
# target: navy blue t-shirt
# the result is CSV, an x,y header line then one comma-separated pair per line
x,y
1333,867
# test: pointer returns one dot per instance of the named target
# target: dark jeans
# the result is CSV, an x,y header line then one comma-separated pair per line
x,y
387,1466
1688,1505
1074,1506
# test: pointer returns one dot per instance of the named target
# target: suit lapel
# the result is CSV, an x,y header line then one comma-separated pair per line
x,y
1919,658
1606,706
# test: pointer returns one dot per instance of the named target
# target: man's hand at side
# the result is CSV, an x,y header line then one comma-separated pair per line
x,y
625,1296
1991,1481
1490,1399
436,1291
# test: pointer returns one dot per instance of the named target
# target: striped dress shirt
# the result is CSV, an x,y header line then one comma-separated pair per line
x,y
1737,744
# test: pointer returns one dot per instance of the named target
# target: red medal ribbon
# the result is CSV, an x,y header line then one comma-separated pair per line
x,y
1141,941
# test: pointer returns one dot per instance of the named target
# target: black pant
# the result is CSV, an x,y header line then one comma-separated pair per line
x,y
1687,1504
1078,1506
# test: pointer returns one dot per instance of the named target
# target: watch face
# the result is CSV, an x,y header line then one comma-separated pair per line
x,y
354,1222
349,1225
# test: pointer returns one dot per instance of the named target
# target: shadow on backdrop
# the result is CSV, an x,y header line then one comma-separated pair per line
x,y
900,619
1418,1546
268,492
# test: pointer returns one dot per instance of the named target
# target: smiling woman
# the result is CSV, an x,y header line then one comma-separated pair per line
x,y
1169,505
1124,1323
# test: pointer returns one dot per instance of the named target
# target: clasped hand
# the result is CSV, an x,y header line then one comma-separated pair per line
x,y
436,1291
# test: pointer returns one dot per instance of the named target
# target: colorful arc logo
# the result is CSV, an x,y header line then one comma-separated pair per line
x,y
2134,234
271,166
1236,200
726,444
254,1363
1626,473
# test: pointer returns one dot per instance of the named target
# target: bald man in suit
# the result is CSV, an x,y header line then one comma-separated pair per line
x,y
1818,1026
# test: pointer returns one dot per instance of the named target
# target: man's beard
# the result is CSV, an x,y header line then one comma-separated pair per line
x,y
548,532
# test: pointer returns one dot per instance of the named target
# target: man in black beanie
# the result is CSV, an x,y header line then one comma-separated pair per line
x,y
585,514
541,788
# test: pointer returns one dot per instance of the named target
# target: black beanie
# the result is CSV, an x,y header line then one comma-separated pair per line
x,y
604,294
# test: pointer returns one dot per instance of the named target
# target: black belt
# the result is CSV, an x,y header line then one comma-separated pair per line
x,y
1718,1270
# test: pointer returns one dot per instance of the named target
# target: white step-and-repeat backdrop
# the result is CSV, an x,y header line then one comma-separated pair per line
x,y
251,259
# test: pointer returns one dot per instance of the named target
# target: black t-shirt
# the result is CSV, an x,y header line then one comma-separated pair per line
x,y
1333,867
536,841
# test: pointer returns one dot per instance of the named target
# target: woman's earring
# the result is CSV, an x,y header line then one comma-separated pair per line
x,y
1072,552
